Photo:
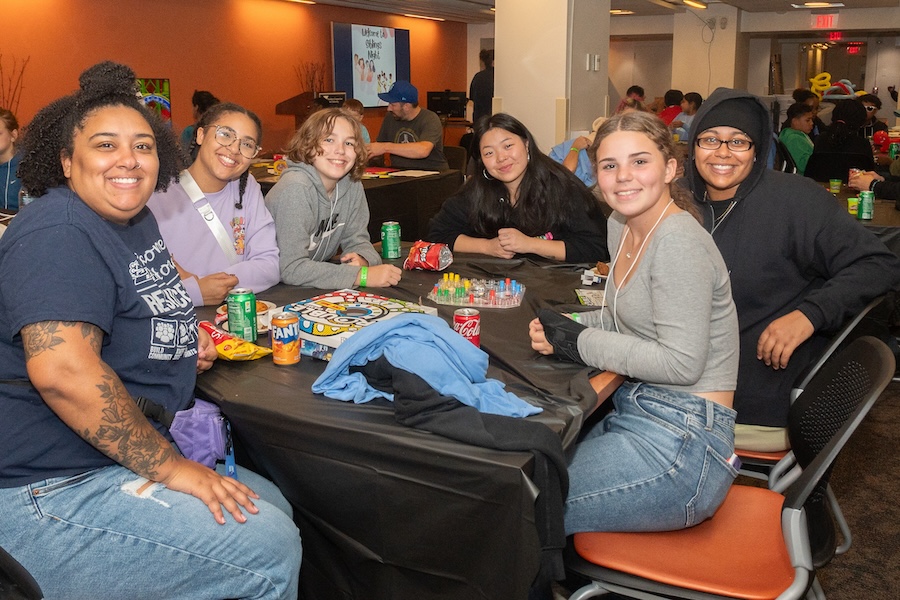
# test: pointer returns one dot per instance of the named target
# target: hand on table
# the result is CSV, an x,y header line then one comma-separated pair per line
x,y
215,287
861,181
514,241
779,340
352,258
206,351
383,276
212,489
538,338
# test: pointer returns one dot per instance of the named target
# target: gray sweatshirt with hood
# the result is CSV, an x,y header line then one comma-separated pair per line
x,y
310,228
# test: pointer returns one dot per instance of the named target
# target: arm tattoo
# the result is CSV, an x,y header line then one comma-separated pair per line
x,y
43,336
124,432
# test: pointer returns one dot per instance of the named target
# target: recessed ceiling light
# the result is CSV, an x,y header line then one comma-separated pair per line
x,y
619,11
695,4
819,5
422,17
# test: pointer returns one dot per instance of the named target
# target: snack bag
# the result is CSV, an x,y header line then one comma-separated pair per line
x,y
428,256
231,347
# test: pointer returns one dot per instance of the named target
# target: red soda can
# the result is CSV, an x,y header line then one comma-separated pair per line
x,y
467,323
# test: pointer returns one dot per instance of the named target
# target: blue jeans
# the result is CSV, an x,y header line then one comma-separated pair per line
x,y
658,462
90,536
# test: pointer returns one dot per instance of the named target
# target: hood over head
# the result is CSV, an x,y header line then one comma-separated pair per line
x,y
731,108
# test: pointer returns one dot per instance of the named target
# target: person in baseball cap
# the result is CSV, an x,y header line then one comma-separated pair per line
x,y
414,138
402,91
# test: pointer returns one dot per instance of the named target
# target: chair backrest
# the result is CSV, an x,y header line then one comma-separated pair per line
x,y
456,157
821,421
783,160
836,342
16,583
823,166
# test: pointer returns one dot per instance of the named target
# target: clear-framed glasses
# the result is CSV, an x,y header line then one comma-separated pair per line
x,y
226,136
734,144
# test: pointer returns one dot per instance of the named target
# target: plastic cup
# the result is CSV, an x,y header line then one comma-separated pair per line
x,y
853,206
834,186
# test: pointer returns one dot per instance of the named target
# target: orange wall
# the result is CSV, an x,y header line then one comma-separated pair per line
x,y
243,51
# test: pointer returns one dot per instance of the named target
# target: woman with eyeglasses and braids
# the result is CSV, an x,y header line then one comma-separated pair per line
x,y
214,220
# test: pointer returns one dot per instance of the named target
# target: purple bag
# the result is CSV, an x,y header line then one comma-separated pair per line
x,y
199,432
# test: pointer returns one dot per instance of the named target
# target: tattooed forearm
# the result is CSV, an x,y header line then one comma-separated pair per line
x,y
46,335
124,433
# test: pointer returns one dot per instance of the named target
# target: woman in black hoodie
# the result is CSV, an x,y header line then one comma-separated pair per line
x,y
799,264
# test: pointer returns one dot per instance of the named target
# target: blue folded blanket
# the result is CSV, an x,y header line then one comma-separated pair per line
x,y
427,346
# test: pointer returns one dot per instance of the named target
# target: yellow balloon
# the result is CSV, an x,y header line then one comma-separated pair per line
x,y
820,83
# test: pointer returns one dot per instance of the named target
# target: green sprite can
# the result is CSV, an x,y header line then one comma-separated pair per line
x,y
390,240
866,209
893,150
242,313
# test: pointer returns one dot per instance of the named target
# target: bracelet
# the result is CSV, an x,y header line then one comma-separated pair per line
x,y
363,276
574,149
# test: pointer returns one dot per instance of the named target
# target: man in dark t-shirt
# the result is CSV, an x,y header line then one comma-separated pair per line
x,y
481,90
412,135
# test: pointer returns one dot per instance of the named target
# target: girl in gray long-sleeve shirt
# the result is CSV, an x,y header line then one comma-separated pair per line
x,y
662,459
319,208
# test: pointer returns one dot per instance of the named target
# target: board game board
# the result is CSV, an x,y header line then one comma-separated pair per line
x,y
327,320
477,293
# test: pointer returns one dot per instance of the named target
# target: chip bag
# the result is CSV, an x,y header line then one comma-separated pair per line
x,y
428,256
231,347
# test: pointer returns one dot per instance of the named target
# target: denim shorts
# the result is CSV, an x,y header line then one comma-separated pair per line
x,y
659,461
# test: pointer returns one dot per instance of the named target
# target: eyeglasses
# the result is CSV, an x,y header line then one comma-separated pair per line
x,y
871,108
734,144
226,136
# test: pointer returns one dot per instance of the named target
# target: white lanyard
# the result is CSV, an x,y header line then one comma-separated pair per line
x,y
209,215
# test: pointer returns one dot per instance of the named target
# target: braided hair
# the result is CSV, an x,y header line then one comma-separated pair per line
x,y
212,115
52,131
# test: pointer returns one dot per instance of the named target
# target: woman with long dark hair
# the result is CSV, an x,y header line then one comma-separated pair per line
x,y
520,201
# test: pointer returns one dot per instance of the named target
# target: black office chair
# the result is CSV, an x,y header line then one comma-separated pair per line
x,y
457,157
759,544
780,469
823,166
784,162
16,583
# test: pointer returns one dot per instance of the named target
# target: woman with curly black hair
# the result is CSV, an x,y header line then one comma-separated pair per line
x,y
214,220
520,202
98,500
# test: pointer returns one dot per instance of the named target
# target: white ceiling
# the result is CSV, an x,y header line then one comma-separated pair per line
x,y
478,11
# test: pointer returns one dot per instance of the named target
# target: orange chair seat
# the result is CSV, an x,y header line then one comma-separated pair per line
x,y
772,457
722,555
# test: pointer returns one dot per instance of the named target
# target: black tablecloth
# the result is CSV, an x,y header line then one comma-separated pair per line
x,y
386,511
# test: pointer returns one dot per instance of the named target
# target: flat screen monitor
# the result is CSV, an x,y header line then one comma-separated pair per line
x,y
450,104
368,59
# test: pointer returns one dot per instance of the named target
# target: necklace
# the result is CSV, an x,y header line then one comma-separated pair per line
x,y
718,220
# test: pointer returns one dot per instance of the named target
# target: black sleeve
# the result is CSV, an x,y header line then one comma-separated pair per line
x,y
584,233
887,190
451,221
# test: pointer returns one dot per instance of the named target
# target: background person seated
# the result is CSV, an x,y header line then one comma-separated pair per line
x,y
681,124
412,135
795,133
572,154
840,146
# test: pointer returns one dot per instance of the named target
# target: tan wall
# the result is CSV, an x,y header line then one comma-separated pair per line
x,y
243,51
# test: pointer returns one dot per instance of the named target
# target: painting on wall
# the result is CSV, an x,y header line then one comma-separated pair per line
x,y
156,95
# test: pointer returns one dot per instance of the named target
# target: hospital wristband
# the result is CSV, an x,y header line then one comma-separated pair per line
x,y
363,276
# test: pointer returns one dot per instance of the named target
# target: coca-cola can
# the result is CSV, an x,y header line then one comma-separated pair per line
x,y
467,323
